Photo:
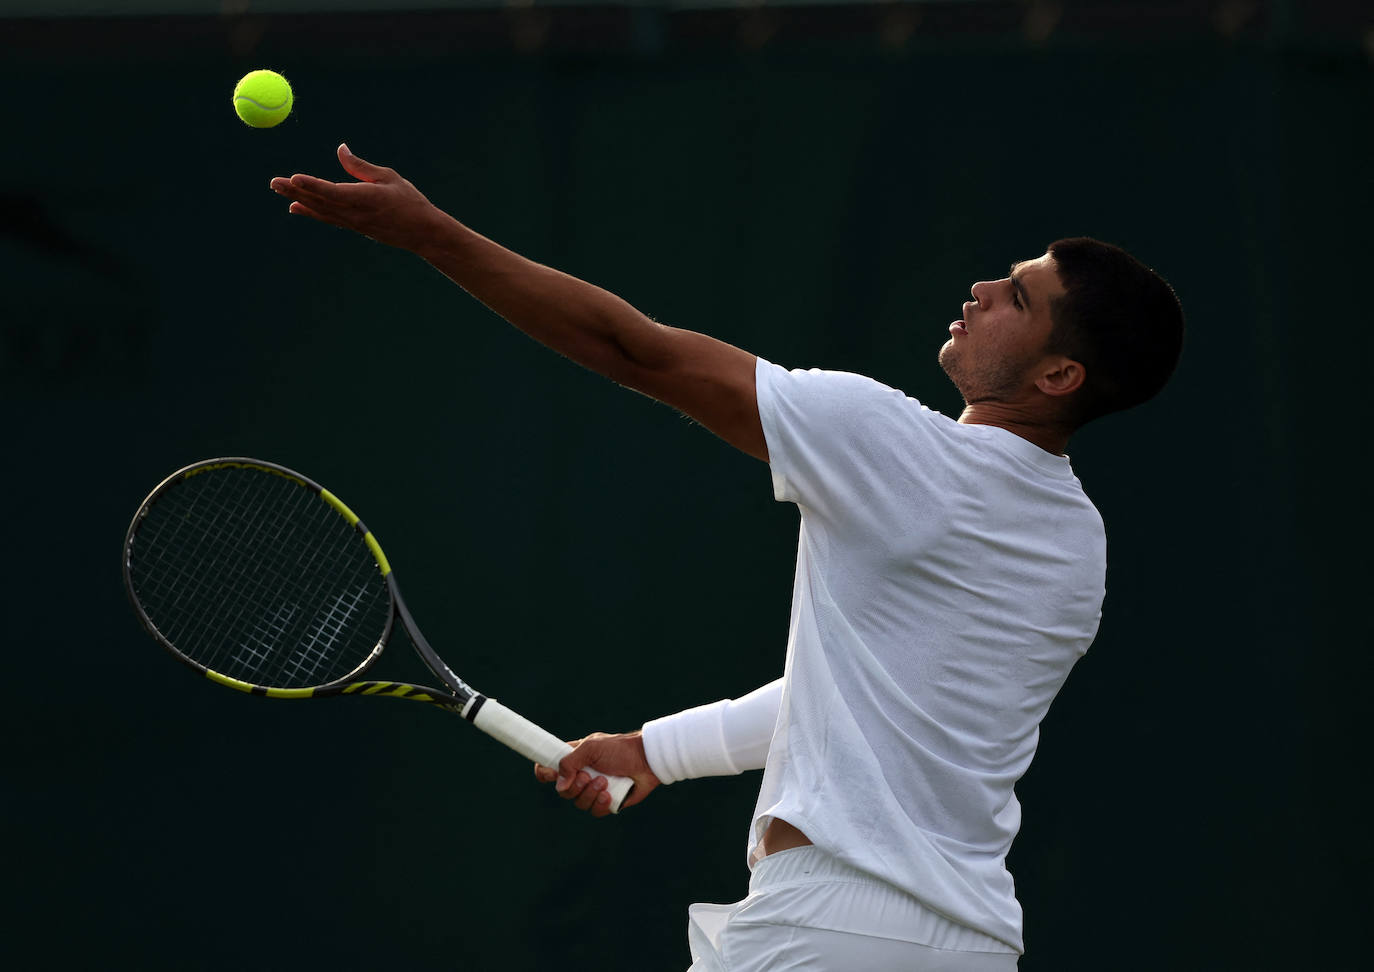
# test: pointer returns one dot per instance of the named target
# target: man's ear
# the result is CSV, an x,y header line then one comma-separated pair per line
x,y
1061,376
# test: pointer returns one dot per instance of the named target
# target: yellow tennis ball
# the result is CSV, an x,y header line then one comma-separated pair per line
x,y
263,99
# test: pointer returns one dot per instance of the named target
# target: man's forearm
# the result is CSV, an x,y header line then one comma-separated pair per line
x,y
700,376
579,320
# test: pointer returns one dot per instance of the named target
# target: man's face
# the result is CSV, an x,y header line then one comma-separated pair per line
x,y
992,353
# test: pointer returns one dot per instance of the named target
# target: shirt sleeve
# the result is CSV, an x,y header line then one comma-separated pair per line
x,y
830,435
718,739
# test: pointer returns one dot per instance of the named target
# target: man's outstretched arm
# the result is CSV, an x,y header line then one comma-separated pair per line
x,y
708,380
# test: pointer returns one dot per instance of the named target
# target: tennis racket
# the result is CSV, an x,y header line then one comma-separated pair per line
x,y
264,581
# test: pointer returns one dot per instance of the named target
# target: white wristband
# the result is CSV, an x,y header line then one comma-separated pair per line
x,y
718,739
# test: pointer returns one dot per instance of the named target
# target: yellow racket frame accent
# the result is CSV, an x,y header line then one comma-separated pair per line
x,y
276,693
353,521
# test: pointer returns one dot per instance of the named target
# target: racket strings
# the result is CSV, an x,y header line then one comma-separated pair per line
x,y
253,576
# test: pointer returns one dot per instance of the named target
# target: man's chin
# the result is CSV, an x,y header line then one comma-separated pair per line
x,y
949,360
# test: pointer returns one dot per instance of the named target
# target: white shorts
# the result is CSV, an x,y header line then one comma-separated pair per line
x,y
808,912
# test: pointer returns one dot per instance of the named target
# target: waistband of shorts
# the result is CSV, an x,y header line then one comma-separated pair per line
x,y
873,906
804,865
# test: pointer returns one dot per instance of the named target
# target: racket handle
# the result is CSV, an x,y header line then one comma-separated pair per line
x,y
534,743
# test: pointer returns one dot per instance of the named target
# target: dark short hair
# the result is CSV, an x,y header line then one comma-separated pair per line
x,y
1117,317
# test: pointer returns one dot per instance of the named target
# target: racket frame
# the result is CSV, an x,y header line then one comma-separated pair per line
x,y
503,724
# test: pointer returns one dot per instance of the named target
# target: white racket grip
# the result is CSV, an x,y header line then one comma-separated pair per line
x,y
544,748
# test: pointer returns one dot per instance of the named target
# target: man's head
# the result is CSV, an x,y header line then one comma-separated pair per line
x,y
1084,330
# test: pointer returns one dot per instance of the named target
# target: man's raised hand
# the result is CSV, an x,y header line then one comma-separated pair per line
x,y
381,204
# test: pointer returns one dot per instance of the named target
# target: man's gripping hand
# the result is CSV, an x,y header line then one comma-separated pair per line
x,y
620,754
380,205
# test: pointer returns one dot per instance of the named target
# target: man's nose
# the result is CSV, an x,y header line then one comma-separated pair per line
x,y
979,292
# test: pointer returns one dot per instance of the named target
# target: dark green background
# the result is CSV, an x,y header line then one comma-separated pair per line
x,y
593,559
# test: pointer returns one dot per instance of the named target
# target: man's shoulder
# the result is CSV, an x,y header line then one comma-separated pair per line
x,y
838,389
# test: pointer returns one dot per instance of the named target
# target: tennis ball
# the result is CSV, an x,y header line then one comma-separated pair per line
x,y
263,99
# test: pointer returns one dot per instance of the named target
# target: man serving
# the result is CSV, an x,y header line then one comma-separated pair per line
x,y
949,574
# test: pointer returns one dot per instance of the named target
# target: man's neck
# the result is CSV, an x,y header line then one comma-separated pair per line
x,y
1052,438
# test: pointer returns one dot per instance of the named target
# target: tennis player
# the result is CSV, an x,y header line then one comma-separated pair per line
x,y
949,574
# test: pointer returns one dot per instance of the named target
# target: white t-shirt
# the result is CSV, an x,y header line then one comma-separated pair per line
x,y
948,577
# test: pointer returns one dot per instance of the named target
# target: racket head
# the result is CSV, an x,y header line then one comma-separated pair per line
x,y
258,578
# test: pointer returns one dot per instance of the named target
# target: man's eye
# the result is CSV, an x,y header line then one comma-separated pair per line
x,y
1016,299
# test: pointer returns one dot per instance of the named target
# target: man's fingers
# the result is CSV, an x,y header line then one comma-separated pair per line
x,y
360,168
580,757
321,188
301,209
602,808
590,791
570,786
310,199
549,774
307,203
305,190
